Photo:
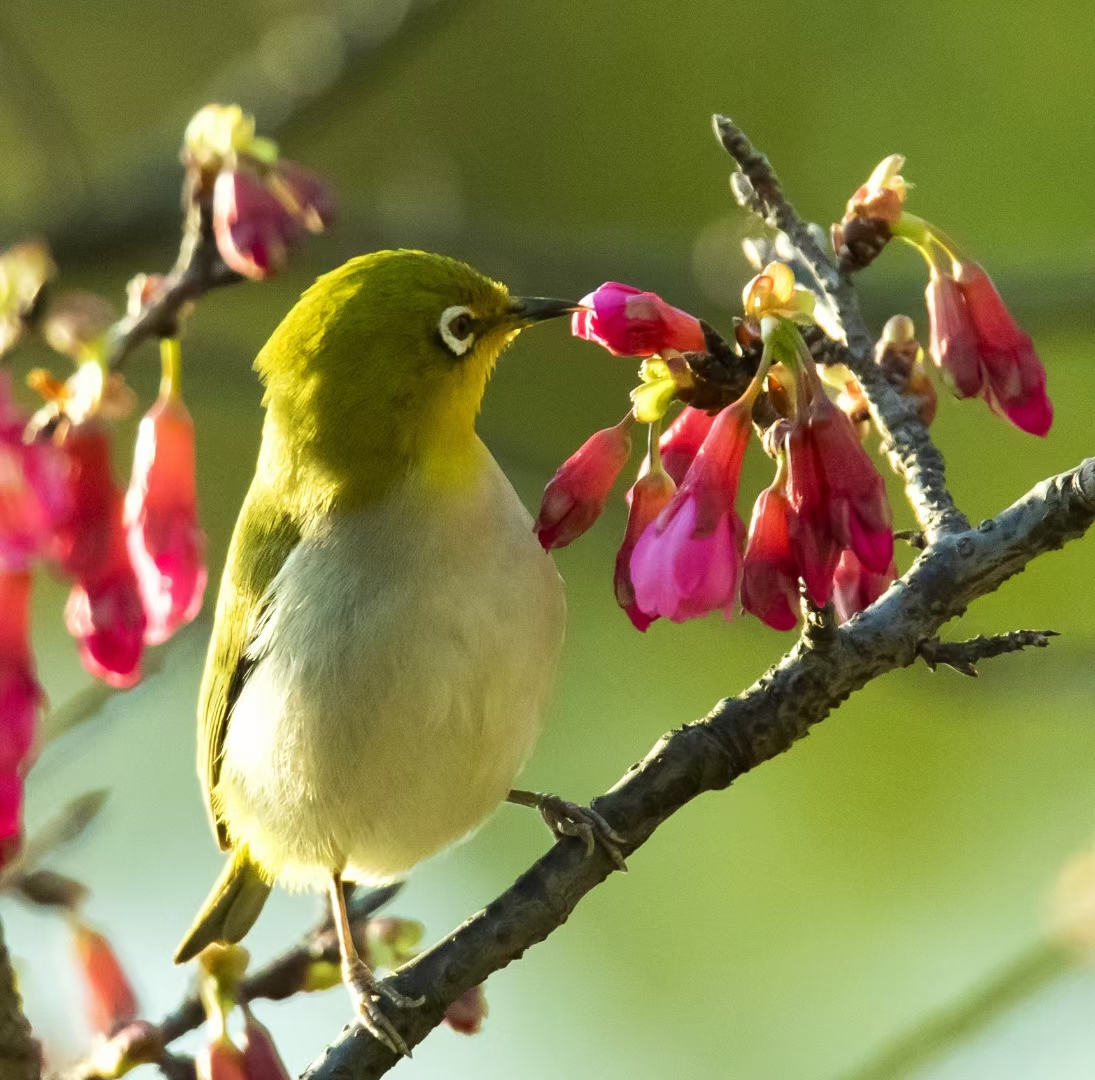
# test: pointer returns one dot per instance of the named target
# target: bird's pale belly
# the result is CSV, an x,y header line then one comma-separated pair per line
x,y
399,684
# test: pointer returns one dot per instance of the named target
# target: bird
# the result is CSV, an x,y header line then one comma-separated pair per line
x,y
388,627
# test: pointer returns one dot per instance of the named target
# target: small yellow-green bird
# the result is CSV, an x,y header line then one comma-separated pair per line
x,y
387,629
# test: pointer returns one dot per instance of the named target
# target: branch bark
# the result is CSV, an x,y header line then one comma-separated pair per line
x,y
823,669
19,1055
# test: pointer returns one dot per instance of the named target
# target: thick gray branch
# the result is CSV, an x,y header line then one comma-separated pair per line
x,y
739,733
19,1056
908,444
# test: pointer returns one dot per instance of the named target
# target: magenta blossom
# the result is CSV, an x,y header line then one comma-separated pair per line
x,y
630,322
855,587
34,494
20,702
769,581
104,611
253,228
576,494
165,542
681,441
648,497
688,561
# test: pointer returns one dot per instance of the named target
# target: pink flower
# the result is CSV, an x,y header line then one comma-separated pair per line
x,y
20,703
467,1013
769,580
648,497
953,344
220,1059
166,544
104,611
261,1060
34,493
629,322
855,587
681,441
1014,377
253,228
837,497
576,494
688,561
111,1003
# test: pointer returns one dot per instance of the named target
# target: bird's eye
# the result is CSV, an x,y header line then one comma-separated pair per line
x,y
456,330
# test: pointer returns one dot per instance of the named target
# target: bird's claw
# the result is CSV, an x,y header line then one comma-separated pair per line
x,y
367,992
570,819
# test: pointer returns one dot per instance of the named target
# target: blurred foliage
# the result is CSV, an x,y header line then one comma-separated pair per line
x,y
780,930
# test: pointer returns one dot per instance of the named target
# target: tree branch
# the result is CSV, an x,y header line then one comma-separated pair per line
x,y
19,1055
963,656
906,439
739,734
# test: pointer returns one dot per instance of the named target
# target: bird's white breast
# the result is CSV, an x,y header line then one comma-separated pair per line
x,y
401,673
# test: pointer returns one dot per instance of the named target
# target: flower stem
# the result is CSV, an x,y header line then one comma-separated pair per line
x,y
170,368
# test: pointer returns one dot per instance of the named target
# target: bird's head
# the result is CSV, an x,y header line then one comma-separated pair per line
x,y
384,360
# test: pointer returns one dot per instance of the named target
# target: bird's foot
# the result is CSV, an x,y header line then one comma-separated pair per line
x,y
570,819
367,992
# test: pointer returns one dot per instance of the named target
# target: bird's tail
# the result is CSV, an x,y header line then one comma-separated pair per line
x,y
231,908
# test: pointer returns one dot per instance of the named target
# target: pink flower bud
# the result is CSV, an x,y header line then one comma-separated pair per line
x,y
576,494
648,497
953,344
681,441
104,611
855,587
769,577
34,493
220,1060
166,544
688,561
467,1013
629,322
1014,377
111,1003
20,703
261,1060
252,226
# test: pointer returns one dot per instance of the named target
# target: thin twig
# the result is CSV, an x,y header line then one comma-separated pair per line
x,y
964,656
905,437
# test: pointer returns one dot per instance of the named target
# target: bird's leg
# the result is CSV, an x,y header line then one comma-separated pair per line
x,y
363,985
569,819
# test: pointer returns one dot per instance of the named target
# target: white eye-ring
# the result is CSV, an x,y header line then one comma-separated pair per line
x,y
456,330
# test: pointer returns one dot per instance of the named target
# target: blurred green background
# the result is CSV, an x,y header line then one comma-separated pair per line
x,y
790,927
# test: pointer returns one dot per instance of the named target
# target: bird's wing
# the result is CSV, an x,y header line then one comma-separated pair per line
x,y
264,537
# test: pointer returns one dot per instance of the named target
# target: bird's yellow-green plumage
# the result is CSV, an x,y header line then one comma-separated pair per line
x,y
387,626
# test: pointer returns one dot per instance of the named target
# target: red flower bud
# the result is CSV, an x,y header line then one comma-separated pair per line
x,y
769,578
261,1060
34,493
220,1060
648,497
681,441
1014,377
104,611
166,544
855,587
576,494
252,226
467,1013
953,344
688,561
20,702
111,1003
629,322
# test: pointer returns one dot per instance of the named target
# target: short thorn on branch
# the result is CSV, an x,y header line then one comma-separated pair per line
x,y
963,656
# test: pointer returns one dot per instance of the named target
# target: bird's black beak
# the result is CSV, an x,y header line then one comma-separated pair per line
x,y
525,310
